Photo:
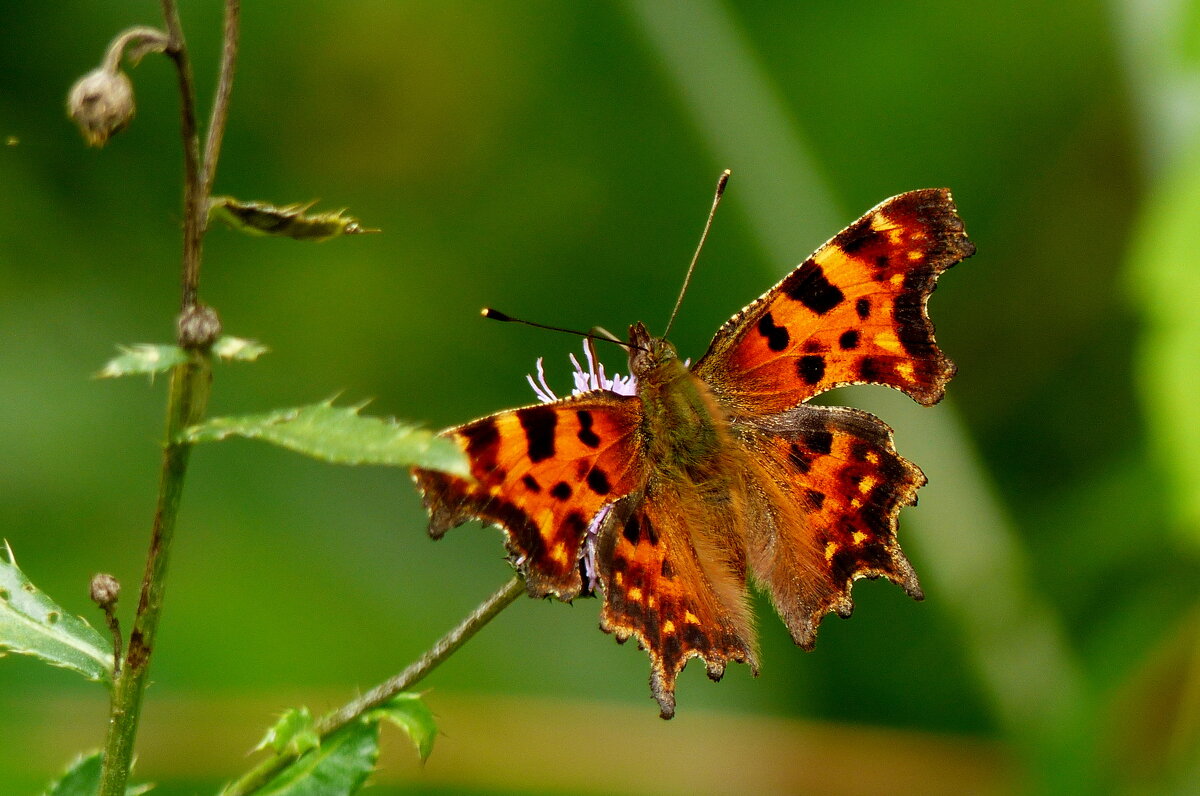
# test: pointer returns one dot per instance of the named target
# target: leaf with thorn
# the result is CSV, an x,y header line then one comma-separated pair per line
x,y
340,435
409,712
341,764
292,734
33,624
289,221
148,359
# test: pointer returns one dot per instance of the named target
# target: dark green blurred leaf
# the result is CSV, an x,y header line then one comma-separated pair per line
x,y
410,713
340,766
339,435
289,221
33,624
82,778
153,359
293,733
1165,269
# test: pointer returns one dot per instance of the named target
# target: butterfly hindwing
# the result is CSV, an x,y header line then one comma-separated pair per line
x,y
852,313
541,473
658,589
834,488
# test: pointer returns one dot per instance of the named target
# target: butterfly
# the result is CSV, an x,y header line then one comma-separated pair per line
x,y
719,470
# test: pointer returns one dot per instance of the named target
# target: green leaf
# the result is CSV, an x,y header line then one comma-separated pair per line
x,y
293,733
33,624
340,766
82,778
339,435
143,359
146,359
235,349
289,221
410,713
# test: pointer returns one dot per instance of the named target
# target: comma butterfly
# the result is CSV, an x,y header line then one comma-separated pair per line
x,y
671,495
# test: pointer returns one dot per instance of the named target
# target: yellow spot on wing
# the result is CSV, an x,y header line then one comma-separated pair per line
x,y
905,369
559,553
915,255
867,483
634,594
618,578
691,618
873,457
859,537
830,549
668,627
888,342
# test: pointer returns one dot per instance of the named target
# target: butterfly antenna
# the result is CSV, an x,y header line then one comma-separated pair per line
x,y
608,337
721,182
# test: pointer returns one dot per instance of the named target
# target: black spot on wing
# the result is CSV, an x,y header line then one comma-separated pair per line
x,y
483,443
849,340
811,368
858,236
777,336
870,369
800,458
819,441
586,435
561,491
598,481
539,423
632,530
863,307
817,499
531,483
808,285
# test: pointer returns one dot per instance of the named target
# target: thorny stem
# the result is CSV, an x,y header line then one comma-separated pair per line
x,y
263,773
186,401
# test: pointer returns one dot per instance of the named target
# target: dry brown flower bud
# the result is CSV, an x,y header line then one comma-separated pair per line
x,y
101,103
105,589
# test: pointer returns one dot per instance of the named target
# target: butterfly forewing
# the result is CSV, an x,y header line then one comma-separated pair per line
x,y
541,473
852,313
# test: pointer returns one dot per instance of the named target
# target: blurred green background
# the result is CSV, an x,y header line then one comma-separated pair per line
x,y
555,160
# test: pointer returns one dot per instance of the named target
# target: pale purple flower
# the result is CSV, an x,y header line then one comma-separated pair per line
x,y
591,378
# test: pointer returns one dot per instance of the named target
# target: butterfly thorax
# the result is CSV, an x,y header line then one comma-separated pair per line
x,y
683,428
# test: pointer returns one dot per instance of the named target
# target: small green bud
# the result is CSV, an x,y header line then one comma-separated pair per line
x,y
101,104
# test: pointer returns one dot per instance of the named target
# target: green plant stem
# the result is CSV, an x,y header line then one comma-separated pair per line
x,y
185,407
220,111
188,396
193,199
264,772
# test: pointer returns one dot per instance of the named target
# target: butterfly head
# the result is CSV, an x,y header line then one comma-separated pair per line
x,y
647,353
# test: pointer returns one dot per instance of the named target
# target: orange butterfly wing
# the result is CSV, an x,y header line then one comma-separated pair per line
x,y
541,473
852,313
677,596
832,487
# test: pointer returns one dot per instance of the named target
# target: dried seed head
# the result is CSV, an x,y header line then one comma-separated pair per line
x,y
105,590
101,104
